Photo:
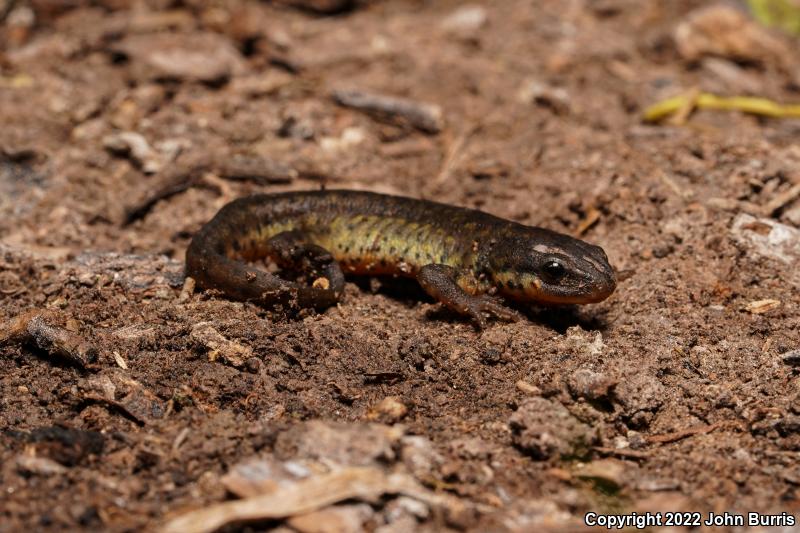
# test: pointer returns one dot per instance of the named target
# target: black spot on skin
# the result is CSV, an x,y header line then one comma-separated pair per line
x,y
499,284
347,248
392,250
416,255
237,246
383,262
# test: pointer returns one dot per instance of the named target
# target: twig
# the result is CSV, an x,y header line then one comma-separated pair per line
x,y
624,452
423,116
255,168
36,327
782,199
682,434
173,185
238,167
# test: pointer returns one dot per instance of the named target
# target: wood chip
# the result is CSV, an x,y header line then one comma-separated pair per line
x,y
42,466
120,361
759,307
592,216
188,289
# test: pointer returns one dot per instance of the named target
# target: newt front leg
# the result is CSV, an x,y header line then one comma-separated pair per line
x,y
447,286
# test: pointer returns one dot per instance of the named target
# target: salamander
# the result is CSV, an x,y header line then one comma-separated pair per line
x,y
464,258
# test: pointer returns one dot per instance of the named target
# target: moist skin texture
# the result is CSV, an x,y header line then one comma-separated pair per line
x,y
464,258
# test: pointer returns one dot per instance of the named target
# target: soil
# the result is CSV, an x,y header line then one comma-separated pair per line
x,y
681,392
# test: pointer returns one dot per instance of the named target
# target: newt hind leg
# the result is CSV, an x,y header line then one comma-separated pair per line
x,y
445,284
292,251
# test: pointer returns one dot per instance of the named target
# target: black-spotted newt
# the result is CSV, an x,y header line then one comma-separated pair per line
x,y
462,257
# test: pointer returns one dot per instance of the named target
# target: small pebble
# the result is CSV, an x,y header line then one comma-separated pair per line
x,y
608,472
528,388
390,409
465,19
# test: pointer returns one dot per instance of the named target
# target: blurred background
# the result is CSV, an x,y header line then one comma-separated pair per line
x,y
126,124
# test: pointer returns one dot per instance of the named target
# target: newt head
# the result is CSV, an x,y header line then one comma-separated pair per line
x,y
538,265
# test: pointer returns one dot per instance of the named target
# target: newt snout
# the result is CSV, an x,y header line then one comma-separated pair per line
x,y
539,265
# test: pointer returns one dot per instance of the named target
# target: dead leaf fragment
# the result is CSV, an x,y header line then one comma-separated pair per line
x,y
723,30
309,495
217,345
607,472
207,57
39,465
115,388
335,519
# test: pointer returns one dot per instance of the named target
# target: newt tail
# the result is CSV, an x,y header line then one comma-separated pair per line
x,y
462,257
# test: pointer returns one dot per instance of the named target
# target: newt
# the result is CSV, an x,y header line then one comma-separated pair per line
x,y
464,258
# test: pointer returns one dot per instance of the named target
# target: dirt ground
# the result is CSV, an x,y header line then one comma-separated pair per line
x,y
127,400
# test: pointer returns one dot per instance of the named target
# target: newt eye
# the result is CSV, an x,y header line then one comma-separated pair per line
x,y
554,270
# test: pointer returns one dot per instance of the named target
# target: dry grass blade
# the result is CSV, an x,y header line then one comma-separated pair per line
x,y
679,107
